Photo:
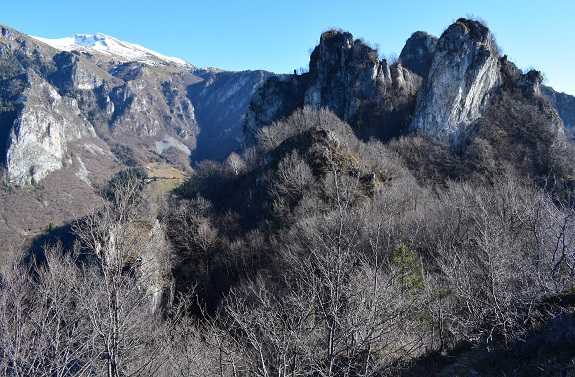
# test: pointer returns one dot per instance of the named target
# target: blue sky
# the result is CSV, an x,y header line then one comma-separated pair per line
x,y
241,35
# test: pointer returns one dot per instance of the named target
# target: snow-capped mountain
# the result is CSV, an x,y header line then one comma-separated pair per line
x,y
114,48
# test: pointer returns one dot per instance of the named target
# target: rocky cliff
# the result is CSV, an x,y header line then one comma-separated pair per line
x,y
565,105
461,81
417,54
277,98
346,76
46,122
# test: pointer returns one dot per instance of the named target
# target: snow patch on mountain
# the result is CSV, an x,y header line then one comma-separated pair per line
x,y
111,46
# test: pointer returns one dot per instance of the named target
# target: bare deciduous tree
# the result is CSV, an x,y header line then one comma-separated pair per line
x,y
119,306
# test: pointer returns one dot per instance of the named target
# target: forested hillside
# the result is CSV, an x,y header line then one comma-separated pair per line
x,y
369,230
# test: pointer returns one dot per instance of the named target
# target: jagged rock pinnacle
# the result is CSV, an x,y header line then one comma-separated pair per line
x,y
458,88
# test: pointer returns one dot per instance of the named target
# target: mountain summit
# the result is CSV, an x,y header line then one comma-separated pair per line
x,y
439,87
114,48
138,103
409,216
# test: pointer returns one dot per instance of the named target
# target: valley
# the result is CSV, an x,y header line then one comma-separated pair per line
x,y
370,216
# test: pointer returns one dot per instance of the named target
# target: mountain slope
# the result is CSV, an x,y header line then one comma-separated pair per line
x,y
134,98
219,98
79,116
221,101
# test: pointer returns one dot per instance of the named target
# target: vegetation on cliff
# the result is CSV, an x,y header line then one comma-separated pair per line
x,y
318,251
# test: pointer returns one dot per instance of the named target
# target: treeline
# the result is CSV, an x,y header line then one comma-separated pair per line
x,y
312,254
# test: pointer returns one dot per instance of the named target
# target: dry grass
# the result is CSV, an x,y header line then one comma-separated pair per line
x,y
62,197
163,178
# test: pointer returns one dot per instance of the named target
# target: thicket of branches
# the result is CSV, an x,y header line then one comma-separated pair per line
x,y
312,254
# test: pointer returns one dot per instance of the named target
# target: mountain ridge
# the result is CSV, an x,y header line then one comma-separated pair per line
x,y
128,114
386,213
144,112
438,86
109,45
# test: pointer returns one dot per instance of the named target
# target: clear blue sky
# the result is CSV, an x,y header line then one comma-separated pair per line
x,y
240,35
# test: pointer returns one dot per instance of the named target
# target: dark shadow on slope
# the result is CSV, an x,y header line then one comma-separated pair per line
x,y
7,119
53,236
220,102
547,350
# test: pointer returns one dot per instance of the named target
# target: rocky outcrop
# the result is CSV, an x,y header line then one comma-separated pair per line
x,y
277,98
155,264
346,76
71,73
460,83
343,74
417,54
46,122
565,105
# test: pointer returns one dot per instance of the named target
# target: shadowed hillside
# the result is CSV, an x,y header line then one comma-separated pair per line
x,y
382,219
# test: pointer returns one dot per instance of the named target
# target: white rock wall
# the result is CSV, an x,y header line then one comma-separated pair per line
x,y
45,123
459,86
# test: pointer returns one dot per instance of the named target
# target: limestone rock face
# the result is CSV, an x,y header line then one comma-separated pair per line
x,y
346,76
46,122
142,244
565,105
155,266
71,73
417,54
344,73
463,74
